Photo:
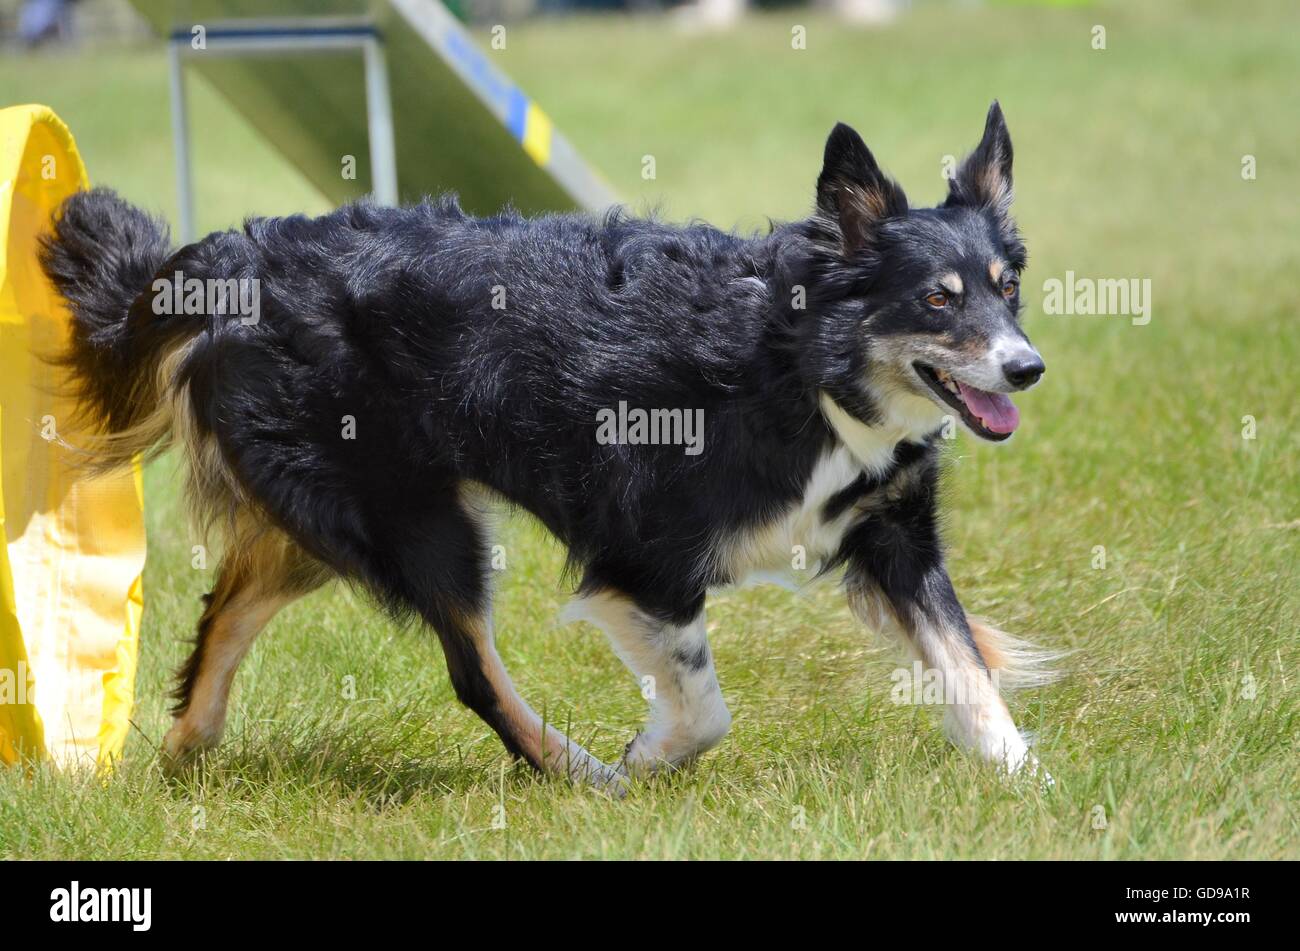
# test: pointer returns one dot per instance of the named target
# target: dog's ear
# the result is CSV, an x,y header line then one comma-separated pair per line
x,y
852,192
984,179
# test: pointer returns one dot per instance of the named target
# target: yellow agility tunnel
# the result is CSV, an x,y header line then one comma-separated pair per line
x,y
74,547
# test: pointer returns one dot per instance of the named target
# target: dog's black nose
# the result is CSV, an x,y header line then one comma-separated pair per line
x,y
1023,371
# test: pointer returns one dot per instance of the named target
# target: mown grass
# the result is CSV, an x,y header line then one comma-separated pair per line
x,y
1178,717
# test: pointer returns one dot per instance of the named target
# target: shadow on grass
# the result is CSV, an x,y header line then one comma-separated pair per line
x,y
383,760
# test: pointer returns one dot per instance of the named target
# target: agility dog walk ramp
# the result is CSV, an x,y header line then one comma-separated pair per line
x,y
396,88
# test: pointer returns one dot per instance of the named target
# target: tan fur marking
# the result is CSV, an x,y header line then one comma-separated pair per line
x,y
211,490
1019,663
989,642
225,645
870,200
99,452
540,742
523,721
262,572
994,187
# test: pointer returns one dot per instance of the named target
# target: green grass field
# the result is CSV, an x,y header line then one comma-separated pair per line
x,y
1178,718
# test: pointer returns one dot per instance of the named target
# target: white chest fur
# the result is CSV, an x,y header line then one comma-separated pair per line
x,y
790,547
872,446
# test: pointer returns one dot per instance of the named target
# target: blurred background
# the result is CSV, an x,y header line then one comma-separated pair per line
x,y
1154,141
33,22
683,84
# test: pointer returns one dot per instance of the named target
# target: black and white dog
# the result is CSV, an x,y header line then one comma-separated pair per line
x,y
409,365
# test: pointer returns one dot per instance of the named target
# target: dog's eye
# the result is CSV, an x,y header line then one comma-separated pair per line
x,y
937,299
1009,289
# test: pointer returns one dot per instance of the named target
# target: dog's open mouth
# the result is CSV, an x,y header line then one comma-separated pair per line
x,y
991,415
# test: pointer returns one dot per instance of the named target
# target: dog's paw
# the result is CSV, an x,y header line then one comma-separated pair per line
x,y
610,781
647,756
1030,769
583,769
183,748
1036,770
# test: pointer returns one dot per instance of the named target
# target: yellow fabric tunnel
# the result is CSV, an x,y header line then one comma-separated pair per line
x,y
70,586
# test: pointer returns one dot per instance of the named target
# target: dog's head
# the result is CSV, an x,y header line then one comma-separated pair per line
x,y
930,297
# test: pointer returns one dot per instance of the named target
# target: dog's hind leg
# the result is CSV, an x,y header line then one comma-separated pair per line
x,y
674,665
262,571
481,683
441,569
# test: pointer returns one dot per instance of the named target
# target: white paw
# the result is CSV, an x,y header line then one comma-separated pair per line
x,y
645,756
1025,763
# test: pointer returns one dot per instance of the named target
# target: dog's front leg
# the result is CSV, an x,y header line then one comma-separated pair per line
x,y
674,667
897,585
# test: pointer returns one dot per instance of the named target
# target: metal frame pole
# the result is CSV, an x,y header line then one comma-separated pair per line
x,y
181,144
379,104
379,122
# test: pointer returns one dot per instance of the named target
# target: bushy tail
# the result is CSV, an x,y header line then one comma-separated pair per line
x,y
102,256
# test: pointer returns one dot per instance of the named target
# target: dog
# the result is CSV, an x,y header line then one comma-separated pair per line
x,y
408,367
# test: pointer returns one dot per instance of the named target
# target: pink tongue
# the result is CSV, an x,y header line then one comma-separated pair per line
x,y
994,410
